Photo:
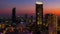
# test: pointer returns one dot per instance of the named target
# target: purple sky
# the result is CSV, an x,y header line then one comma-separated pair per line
x,y
28,7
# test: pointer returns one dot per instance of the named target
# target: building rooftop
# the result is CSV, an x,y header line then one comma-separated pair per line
x,y
39,2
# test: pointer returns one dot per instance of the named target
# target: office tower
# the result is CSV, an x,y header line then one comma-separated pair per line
x,y
51,23
39,16
31,19
39,13
47,23
14,14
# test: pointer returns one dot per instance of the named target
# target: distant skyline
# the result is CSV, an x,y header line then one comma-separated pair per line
x,y
28,7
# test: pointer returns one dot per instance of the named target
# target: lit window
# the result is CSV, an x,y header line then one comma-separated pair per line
x,y
38,13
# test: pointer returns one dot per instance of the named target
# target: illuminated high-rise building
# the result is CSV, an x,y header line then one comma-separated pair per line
x,y
46,23
51,23
14,14
39,13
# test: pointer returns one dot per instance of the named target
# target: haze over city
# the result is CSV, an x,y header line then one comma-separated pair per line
x,y
29,17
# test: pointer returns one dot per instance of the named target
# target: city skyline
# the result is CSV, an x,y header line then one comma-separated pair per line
x,y
28,7
29,17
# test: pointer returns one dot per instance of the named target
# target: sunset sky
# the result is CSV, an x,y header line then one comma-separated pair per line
x,y
28,7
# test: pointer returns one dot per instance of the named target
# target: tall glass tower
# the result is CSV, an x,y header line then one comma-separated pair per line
x,y
39,16
39,13
14,14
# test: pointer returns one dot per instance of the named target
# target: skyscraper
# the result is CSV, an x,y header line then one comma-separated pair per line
x,y
39,12
39,15
47,17
14,14
51,22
